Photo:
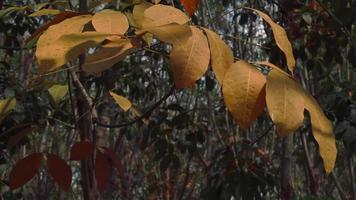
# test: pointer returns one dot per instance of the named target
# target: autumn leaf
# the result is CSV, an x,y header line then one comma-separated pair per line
x,y
46,51
82,151
221,55
175,34
190,6
24,170
322,132
102,171
124,103
159,15
281,38
45,12
6,106
107,56
60,171
189,61
244,92
67,48
138,12
56,20
285,104
110,21
58,92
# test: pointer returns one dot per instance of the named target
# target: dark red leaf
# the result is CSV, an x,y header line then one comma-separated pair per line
x,y
102,171
60,171
190,6
115,161
82,151
24,170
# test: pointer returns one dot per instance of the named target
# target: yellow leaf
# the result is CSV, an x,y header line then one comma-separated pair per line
x,y
107,56
171,33
244,92
69,47
156,1
57,92
322,132
110,21
221,55
138,12
6,106
285,104
159,15
189,61
45,12
124,103
281,38
45,50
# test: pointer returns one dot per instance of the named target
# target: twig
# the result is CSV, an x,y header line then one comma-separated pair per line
x,y
145,115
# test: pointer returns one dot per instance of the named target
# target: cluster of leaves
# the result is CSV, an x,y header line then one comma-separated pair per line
x,y
111,35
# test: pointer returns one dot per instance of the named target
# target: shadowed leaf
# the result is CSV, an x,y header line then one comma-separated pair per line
x,y
82,151
60,171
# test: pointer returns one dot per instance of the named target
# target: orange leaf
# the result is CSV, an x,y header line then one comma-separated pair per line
x,y
284,102
82,151
244,92
24,170
189,61
159,15
110,21
221,55
102,171
190,6
60,171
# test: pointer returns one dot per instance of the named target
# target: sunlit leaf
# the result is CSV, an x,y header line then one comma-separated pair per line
x,y
221,55
159,15
45,12
57,19
58,92
67,48
24,170
244,92
82,151
190,6
189,61
138,12
175,34
60,171
49,54
110,21
281,38
284,97
124,103
322,132
108,56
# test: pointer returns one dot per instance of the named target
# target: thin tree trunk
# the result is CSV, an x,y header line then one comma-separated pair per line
x,y
287,191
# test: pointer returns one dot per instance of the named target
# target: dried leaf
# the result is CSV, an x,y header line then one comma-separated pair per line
x,y
58,92
110,21
108,56
221,55
190,6
175,34
281,38
102,171
46,51
189,61
124,103
285,104
322,132
60,171
45,12
244,92
67,48
24,170
138,12
159,15
82,151
56,20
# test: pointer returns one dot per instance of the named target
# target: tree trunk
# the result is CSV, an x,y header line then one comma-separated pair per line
x,y
286,179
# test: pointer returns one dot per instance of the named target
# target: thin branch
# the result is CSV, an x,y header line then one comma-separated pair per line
x,y
145,115
338,186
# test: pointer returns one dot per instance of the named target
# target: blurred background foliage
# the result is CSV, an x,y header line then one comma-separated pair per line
x,y
190,147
